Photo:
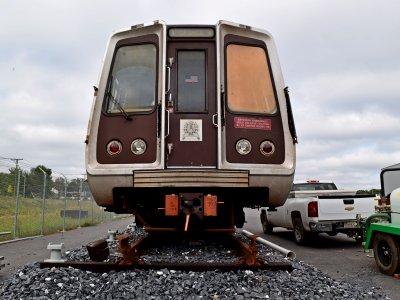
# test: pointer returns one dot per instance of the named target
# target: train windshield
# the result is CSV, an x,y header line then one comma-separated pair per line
x,y
249,83
132,84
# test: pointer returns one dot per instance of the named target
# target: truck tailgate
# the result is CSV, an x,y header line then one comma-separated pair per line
x,y
317,193
345,208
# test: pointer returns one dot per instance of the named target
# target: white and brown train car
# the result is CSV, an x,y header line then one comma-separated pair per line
x,y
189,125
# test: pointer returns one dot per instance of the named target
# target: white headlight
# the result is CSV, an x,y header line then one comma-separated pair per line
x,y
138,147
243,147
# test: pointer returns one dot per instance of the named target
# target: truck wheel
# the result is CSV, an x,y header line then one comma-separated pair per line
x,y
386,252
266,226
300,235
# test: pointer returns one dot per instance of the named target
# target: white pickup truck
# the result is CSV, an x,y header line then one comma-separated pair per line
x,y
316,206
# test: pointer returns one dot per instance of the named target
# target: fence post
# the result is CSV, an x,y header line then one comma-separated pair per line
x,y
91,198
23,194
80,202
16,201
44,199
65,201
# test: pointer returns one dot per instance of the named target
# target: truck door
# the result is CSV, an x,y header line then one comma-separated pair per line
x,y
191,136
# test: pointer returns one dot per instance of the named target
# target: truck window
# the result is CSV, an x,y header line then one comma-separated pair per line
x,y
314,186
249,83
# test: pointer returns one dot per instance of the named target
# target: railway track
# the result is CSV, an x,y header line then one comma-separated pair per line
x,y
238,251
69,281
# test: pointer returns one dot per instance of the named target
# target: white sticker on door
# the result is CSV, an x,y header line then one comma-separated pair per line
x,y
191,130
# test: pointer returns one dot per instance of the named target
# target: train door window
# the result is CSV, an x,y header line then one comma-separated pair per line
x,y
249,83
191,87
132,84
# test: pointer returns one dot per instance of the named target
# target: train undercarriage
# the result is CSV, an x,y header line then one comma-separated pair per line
x,y
188,209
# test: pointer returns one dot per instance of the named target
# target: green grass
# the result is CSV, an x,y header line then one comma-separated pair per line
x,y
29,221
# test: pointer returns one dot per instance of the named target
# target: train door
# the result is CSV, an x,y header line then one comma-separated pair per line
x,y
191,130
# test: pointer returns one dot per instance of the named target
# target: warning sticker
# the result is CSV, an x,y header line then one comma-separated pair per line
x,y
252,123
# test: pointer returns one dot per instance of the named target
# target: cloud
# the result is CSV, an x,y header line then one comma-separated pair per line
x,y
339,59
46,113
347,123
360,87
325,125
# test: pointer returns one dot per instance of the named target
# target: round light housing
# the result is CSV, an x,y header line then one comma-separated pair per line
x,y
243,147
114,147
267,148
138,147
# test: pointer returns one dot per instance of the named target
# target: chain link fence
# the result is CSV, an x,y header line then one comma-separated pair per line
x,y
36,201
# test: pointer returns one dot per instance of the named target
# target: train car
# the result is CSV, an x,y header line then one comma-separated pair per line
x,y
189,125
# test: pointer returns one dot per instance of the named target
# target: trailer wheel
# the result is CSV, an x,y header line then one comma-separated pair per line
x,y
266,226
386,250
300,235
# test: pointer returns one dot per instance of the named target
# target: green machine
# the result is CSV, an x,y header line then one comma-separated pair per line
x,y
382,230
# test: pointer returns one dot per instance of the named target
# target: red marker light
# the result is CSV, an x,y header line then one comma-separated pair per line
x,y
114,147
267,148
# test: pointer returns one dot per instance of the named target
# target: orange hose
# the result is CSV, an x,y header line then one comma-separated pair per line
x,y
187,221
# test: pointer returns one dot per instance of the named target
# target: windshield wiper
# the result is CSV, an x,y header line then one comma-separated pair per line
x,y
116,102
120,108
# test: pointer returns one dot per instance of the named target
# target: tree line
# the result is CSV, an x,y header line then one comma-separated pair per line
x,y
31,184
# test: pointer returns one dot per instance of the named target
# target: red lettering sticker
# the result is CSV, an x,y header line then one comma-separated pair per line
x,y
252,123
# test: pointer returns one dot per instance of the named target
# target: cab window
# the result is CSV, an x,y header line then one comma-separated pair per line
x,y
249,84
132,84
191,96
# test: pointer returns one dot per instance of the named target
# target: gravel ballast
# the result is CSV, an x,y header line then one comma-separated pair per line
x,y
304,282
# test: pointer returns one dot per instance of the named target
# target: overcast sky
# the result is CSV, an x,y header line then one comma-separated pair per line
x,y
340,59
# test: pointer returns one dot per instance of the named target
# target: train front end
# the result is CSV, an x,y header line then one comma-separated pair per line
x,y
189,125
